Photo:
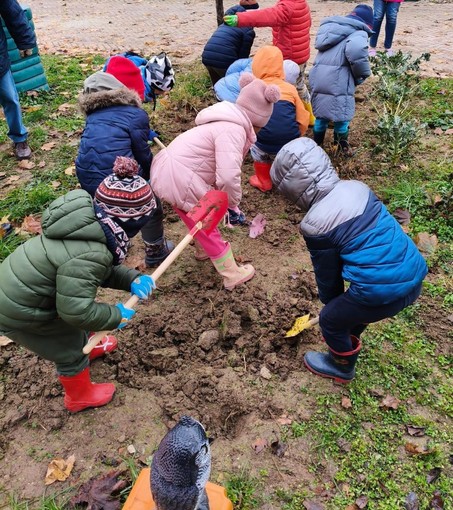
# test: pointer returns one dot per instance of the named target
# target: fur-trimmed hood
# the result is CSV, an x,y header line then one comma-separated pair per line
x,y
102,90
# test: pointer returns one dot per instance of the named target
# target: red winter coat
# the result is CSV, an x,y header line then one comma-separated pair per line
x,y
290,21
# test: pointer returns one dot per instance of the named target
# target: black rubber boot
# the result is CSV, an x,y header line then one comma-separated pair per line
x,y
157,251
339,366
318,137
341,140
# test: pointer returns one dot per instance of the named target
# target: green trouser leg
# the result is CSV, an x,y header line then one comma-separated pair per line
x,y
55,341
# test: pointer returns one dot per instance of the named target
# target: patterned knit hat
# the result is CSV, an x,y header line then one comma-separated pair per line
x,y
257,99
125,71
126,197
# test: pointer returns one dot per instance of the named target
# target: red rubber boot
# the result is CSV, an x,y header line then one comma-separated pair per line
x,y
81,393
262,178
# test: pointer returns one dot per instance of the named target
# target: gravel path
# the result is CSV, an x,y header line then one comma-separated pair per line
x,y
181,27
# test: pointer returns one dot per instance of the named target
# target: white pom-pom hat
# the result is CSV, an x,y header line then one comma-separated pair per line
x,y
257,99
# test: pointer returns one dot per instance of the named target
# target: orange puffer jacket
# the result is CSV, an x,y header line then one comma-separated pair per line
x,y
290,21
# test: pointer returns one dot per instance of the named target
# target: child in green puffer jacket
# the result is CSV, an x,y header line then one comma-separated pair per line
x,y
48,285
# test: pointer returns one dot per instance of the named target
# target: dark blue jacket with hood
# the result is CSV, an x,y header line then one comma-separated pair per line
x,y
227,44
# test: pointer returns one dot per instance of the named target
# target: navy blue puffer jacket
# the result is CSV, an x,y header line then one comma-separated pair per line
x,y
116,125
227,44
19,28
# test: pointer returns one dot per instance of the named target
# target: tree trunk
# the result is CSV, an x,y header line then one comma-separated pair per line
x,y
219,8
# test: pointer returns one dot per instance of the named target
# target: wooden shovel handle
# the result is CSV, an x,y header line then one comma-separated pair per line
x,y
133,300
312,322
159,143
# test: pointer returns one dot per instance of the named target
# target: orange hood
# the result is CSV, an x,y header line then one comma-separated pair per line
x,y
267,65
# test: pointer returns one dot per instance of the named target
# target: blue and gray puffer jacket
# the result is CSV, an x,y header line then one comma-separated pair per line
x,y
340,64
349,232
227,44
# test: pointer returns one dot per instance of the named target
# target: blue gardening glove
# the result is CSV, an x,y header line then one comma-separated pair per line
x,y
126,315
153,134
231,20
143,286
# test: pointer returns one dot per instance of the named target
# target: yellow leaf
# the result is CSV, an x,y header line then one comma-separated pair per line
x,y
70,170
59,470
298,326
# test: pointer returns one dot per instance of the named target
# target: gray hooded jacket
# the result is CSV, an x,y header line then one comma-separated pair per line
x,y
340,65
350,234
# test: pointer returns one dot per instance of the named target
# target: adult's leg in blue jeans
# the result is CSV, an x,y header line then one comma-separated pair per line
x,y
391,15
9,99
343,317
379,7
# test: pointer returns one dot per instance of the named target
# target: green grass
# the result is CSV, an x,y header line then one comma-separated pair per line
x,y
437,109
400,361
242,491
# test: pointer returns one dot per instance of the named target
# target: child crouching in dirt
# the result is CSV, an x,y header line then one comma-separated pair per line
x,y
289,119
209,156
48,285
340,65
351,237
117,125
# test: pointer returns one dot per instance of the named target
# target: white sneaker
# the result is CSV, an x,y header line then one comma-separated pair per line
x,y
371,52
389,52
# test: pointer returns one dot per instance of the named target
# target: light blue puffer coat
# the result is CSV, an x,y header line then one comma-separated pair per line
x,y
340,65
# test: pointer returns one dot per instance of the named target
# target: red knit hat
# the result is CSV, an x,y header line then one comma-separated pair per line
x,y
127,73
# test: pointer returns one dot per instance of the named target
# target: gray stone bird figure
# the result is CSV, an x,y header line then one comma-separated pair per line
x,y
181,467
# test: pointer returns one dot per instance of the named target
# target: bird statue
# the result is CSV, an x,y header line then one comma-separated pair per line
x,y
181,467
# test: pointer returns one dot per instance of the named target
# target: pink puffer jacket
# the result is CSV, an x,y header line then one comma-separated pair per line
x,y
290,21
208,156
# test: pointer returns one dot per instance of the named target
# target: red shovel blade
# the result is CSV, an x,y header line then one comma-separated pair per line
x,y
210,209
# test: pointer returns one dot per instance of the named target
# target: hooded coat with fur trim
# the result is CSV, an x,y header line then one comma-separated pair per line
x,y
340,65
208,156
349,232
116,125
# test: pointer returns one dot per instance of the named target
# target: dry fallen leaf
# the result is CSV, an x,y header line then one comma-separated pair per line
x,y
48,146
411,502
426,243
390,402
65,107
284,420
346,402
70,170
415,430
361,502
97,493
433,474
55,184
27,164
59,470
437,503
417,449
259,445
42,164
30,225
